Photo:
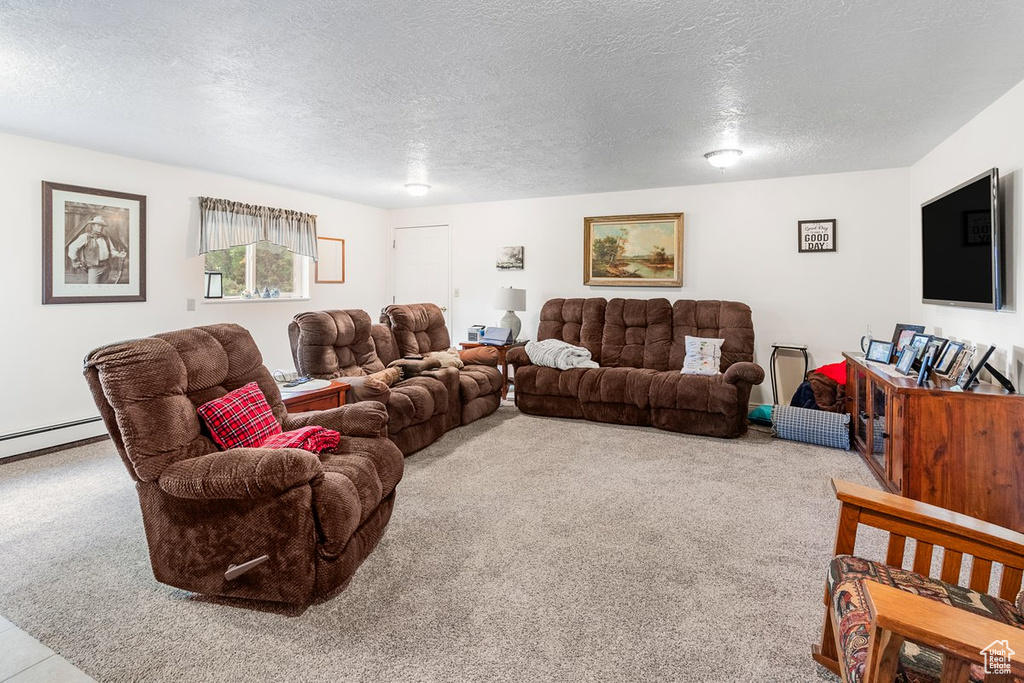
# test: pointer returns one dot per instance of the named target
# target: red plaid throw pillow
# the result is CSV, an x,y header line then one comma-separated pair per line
x,y
241,418
313,439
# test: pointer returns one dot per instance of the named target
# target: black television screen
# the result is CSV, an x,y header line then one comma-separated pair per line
x,y
960,239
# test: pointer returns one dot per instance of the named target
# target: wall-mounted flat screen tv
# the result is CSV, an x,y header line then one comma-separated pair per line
x,y
961,245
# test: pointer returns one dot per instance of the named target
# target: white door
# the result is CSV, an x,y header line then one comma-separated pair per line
x,y
422,267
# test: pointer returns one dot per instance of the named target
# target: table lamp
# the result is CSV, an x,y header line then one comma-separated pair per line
x,y
511,300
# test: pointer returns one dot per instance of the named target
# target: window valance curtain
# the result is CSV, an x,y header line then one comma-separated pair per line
x,y
224,224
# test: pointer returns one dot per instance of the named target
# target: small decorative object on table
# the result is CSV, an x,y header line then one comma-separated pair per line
x,y
819,235
906,360
919,342
947,361
903,334
879,351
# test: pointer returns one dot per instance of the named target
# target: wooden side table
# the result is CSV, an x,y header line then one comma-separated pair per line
x,y
324,398
502,350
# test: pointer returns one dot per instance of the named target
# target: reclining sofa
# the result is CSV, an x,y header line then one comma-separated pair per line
x,y
210,514
640,346
346,344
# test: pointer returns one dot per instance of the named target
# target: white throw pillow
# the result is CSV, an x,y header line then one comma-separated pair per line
x,y
703,356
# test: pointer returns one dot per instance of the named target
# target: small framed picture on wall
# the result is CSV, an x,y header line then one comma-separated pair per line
x,y
819,235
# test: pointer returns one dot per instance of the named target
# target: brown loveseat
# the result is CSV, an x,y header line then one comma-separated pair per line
x,y
316,518
420,329
640,346
346,344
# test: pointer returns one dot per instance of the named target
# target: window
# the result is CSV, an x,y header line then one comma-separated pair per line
x,y
255,267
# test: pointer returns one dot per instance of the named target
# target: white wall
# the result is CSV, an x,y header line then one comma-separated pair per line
x,y
42,347
740,244
994,138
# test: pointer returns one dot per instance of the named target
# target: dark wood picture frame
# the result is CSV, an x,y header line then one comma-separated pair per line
x,y
122,217
805,231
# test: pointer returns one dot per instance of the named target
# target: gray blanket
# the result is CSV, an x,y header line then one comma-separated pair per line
x,y
554,353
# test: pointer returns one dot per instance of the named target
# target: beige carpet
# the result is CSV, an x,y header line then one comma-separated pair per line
x,y
521,549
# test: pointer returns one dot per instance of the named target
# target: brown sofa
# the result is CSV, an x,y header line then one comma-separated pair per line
x,y
419,329
640,346
315,517
346,344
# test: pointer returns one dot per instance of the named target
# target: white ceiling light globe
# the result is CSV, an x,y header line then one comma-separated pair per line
x,y
417,189
723,158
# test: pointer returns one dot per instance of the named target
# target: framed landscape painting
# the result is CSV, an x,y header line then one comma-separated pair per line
x,y
94,245
644,250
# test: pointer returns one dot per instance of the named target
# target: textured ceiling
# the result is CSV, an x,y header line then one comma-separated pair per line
x,y
499,99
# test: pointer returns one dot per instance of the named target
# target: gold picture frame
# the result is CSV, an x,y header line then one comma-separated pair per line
x,y
642,250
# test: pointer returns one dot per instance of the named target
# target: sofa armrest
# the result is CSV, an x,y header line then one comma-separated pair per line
x,y
517,356
240,473
480,355
751,373
366,418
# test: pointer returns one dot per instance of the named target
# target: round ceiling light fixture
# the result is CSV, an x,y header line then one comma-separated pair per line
x,y
417,189
723,158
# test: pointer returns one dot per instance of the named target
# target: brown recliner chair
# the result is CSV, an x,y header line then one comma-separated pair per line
x,y
419,329
281,525
338,344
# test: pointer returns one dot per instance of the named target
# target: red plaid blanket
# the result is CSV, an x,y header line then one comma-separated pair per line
x,y
313,439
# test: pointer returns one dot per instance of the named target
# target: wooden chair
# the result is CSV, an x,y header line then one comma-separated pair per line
x,y
870,611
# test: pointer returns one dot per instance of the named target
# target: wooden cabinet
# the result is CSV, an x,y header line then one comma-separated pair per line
x,y
963,451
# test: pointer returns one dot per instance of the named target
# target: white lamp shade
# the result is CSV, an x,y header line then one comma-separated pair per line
x,y
510,299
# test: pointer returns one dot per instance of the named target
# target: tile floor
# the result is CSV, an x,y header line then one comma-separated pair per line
x,y
23,659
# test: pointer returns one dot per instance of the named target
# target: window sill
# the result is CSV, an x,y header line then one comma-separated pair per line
x,y
261,300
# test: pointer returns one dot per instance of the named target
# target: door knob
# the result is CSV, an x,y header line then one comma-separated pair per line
x,y
444,308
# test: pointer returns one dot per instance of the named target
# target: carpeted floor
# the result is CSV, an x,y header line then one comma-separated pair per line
x,y
521,549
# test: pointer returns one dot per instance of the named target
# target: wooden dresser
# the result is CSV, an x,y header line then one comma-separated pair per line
x,y
963,451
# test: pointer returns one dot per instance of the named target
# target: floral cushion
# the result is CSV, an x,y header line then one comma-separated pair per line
x,y
850,615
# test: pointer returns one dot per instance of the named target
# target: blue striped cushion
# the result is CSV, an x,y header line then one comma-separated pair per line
x,y
812,426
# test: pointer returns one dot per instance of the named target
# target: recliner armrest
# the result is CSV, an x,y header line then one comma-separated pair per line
x,y
517,356
240,473
366,389
366,418
751,373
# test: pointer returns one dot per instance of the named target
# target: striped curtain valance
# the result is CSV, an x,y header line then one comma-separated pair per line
x,y
224,224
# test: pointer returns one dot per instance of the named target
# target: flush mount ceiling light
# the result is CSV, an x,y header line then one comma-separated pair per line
x,y
417,189
723,158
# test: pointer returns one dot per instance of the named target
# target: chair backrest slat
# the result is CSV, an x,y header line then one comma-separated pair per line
x,y
951,561
981,574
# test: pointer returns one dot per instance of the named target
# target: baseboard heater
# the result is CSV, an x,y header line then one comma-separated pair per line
x,y
50,428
